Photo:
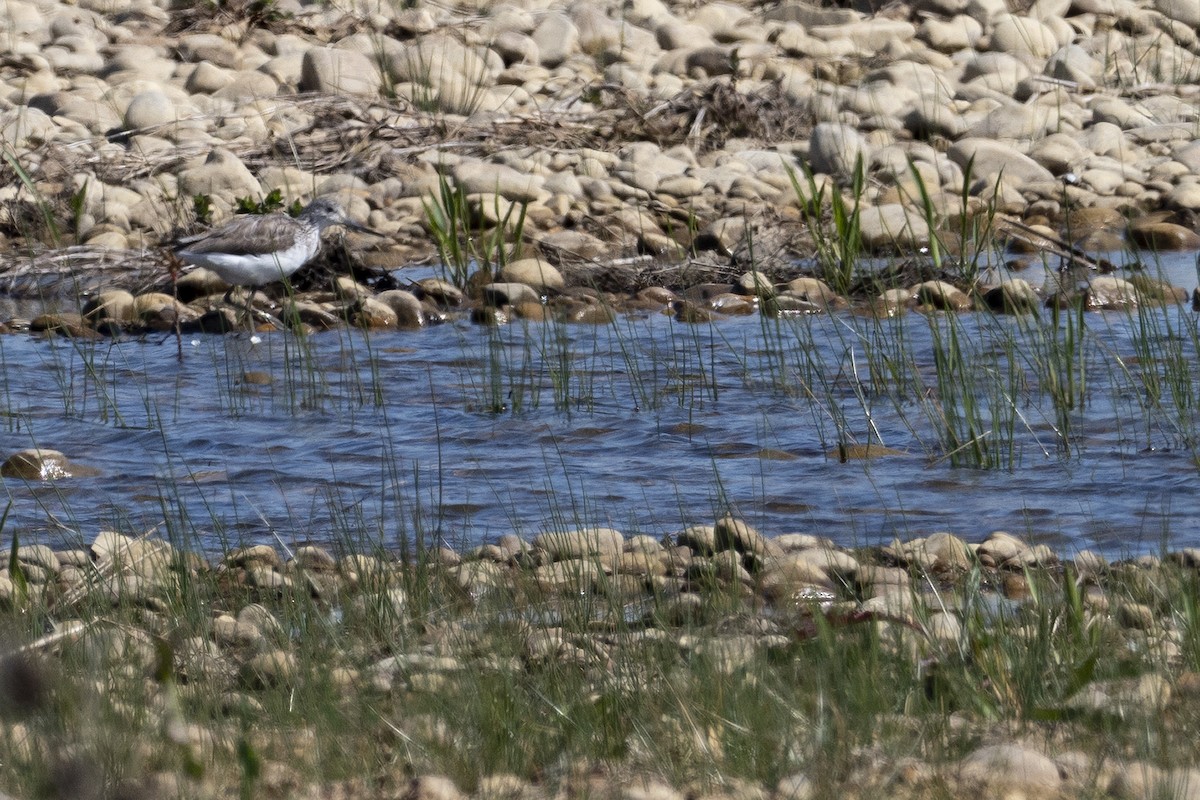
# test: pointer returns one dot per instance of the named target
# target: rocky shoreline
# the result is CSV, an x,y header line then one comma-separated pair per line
x,y
210,643
652,149
664,136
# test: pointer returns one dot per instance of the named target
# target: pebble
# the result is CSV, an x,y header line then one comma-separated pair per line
x,y
251,662
1011,767
583,543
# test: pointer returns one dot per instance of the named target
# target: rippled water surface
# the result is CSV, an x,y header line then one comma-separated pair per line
x,y
461,433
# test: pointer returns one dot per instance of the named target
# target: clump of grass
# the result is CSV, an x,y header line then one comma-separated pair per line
x,y
463,242
835,230
539,670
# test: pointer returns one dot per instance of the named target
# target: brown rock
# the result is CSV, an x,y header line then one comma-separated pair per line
x,y
1153,234
64,324
533,272
942,296
36,464
116,305
736,534
405,306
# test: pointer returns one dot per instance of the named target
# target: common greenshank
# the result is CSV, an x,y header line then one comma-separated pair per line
x,y
257,249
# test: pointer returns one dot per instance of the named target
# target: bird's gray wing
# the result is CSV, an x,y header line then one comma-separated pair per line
x,y
245,235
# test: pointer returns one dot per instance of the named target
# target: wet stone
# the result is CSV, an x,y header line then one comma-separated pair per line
x,y
1163,236
1014,296
755,284
71,325
42,465
500,294
442,293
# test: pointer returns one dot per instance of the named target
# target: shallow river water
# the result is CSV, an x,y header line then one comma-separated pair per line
x,y
459,433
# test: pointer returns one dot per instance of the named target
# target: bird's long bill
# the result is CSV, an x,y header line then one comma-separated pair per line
x,y
354,226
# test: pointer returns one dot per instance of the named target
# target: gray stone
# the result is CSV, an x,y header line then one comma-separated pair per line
x,y
1141,780
1017,35
731,533
868,35
433,787
577,244
944,627
1157,235
229,632
245,86
221,175
25,127
1186,12
442,293
557,38
481,177
211,48
1011,766
994,161
1110,292
952,35
1073,63
833,562
1001,72
207,78
337,71
1018,123
1116,111
149,109
1059,153
115,305
372,314
894,227
1000,548
927,119
755,284
793,577
834,149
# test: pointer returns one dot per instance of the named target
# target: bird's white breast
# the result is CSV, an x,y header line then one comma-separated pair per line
x,y
258,269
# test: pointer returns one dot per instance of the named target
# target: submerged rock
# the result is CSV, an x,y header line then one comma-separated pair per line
x,y
38,464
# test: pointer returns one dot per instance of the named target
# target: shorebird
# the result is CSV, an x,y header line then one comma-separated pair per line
x,y
254,250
